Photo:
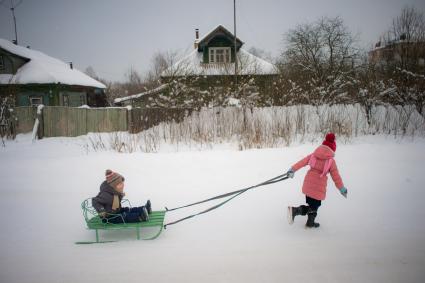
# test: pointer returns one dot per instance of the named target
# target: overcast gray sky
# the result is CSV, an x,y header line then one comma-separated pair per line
x,y
114,35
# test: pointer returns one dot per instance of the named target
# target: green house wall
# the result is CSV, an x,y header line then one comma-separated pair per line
x,y
53,94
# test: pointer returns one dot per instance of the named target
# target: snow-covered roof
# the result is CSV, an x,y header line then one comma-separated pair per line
x,y
43,69
248,64
135,96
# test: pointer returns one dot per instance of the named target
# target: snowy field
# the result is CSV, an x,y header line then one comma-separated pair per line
x,y
376,235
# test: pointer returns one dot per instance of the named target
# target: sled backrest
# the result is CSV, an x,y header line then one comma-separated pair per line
x,y
88,210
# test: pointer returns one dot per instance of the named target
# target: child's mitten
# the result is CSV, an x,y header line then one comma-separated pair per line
x,y
343,191
290,173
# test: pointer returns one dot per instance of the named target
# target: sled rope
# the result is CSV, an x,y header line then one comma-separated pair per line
x,y
231,196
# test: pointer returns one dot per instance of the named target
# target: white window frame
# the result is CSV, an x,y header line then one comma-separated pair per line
x,y
220,54
34,98
212,57
2,66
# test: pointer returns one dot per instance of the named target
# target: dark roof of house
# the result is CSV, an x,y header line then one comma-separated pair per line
x,y
219,31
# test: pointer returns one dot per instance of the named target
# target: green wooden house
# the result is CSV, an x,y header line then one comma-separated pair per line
x,y
34,78
208,74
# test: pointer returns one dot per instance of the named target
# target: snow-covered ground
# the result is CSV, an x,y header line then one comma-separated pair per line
x,y
376,235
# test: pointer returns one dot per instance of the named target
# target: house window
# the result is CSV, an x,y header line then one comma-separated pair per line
x,y
2,67
219,54
36,100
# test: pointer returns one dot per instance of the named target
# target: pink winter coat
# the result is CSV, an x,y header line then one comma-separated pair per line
x,y
315,181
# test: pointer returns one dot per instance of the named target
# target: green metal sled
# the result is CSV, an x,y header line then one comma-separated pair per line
x,y
94,222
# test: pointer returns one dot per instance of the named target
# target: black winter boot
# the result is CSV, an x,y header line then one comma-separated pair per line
x,y
294,211
148,207
310,220
144,215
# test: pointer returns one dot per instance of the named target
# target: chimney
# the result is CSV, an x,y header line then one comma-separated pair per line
x,y
71,66
196,38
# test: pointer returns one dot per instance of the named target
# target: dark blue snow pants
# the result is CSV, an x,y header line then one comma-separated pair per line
x,y
130,215
313,203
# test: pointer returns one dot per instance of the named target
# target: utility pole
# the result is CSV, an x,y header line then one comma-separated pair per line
x,y
236,58
12,7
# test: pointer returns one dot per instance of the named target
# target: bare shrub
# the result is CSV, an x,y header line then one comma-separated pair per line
x,y
266,127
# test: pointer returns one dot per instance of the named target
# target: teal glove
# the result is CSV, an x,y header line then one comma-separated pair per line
x,y
290,173
343,191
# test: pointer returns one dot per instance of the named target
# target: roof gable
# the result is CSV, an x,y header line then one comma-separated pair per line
x,y
41,69
7,52
219,33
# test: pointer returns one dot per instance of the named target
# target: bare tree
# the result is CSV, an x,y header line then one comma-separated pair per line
x,y
134,83
372,88
321,58
160,64
89,71
7,116
261,53
405,41
409,25
404,58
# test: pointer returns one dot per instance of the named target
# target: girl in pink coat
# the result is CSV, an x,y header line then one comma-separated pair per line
x,y
321,162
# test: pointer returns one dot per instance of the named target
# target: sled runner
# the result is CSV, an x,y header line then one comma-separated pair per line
x,y
94,222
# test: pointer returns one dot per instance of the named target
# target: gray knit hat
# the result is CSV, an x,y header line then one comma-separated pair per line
x,y
113,178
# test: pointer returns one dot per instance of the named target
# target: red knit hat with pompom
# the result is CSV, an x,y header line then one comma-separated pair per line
x,y
330,141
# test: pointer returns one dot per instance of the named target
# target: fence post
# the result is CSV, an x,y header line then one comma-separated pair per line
x,y
37,130
40,117
130,126
13,121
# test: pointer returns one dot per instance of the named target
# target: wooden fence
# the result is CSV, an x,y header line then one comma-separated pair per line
x,y
141,119
59,121
26,117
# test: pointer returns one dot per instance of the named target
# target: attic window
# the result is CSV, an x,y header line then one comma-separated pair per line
x,y
1,62
219,54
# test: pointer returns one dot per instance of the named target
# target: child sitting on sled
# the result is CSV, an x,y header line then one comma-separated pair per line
x,y
108,202
321,163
